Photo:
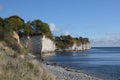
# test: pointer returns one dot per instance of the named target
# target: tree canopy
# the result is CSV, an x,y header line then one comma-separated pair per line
x,y
42,27
68,41
16,23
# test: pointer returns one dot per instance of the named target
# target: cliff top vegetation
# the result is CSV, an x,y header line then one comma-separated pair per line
x,y
35,27
66,41
16,23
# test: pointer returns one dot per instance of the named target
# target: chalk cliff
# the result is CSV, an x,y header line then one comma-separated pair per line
x,y
37,37
47,45
68,43
16,37
42,44
32,43
76,47
38,44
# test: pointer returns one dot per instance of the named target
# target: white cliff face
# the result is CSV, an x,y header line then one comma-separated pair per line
x,y
47,45
32,43
16,37
86,46
81,47
75,47
38,44
42,44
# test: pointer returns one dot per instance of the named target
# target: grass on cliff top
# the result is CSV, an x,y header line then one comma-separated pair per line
x,y
16,68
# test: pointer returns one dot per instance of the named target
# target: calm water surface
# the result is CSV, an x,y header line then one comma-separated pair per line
x,y
102,62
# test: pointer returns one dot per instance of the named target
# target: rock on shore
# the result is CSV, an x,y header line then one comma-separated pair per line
x,y
63,74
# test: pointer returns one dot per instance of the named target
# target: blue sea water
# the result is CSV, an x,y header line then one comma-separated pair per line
x,y
103,62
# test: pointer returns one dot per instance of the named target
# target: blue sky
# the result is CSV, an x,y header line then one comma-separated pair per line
x,y
99,20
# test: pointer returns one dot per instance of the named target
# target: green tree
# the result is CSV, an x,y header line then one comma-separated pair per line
x,y
14,23
37,24
28,30
42,27
46,30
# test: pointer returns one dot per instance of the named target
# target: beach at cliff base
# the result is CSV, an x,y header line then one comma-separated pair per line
x,y
64,73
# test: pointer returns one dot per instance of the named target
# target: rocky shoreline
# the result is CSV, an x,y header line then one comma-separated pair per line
x,y
62,72
65,73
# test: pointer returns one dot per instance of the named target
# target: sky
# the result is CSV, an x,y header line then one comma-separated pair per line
x,y
98,20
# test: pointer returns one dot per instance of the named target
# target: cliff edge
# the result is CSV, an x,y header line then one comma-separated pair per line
x,y
69,43
36,37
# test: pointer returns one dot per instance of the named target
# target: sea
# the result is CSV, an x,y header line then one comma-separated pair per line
x,y
102,62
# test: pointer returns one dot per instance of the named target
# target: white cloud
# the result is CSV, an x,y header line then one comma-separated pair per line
x,y
1,7
53,28
109,41
67,33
